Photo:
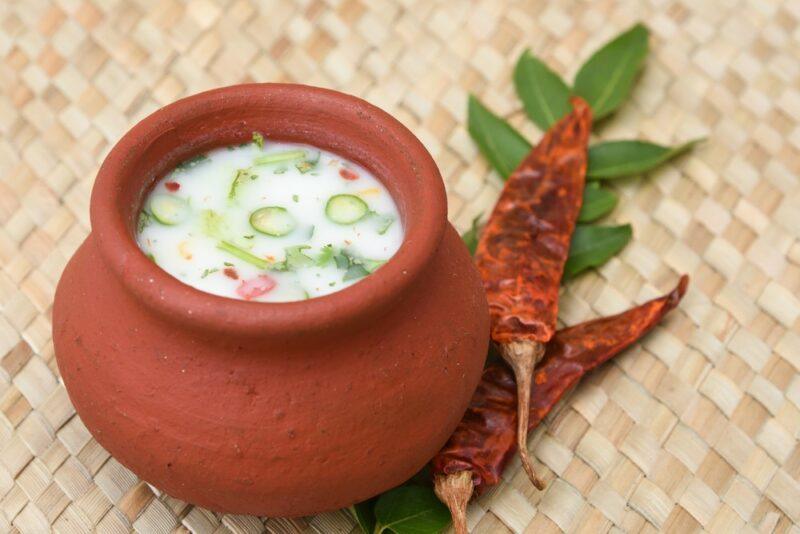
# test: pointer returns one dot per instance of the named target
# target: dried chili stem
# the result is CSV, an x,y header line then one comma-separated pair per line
x,y
486,438
522,357
455,490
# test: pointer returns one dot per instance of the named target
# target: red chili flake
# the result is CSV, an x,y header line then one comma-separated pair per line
x,y
522,250
230,272
348,174
255,287
484,442
172,186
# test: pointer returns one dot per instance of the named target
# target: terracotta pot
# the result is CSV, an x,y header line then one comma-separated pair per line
x,y
273,409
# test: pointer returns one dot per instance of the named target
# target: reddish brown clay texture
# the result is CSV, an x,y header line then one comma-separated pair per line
x,y
273,409
523,248
485,441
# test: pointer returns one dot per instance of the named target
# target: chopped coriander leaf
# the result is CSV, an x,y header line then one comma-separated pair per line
x,y
206,272
304,166
143,221
151,257
258,139
295,257
227,264
325,256
251,236
296,198
241,174
371,265
342,260
355,271
191,162
279,170
332,284
384,222
212,223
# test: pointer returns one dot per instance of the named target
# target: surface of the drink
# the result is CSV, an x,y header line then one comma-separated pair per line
x,y
270,222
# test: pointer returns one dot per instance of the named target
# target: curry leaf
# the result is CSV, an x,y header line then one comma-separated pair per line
x,y
543,93
605,80
614,159
502,145
410,510
364,512
472,235
597,202
592,246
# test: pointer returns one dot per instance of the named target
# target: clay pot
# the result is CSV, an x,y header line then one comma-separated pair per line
x,y
273,409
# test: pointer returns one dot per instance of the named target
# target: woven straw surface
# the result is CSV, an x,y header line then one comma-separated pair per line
x,y
694,429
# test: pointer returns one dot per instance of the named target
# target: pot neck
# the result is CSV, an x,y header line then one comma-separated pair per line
x,y
334,121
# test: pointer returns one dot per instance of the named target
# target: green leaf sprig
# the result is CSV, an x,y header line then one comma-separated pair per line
x,y
408,509
605,80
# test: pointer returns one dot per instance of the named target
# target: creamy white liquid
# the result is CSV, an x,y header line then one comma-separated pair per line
x,y
213,217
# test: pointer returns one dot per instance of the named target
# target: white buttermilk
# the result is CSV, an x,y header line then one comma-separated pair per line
x,y
197,223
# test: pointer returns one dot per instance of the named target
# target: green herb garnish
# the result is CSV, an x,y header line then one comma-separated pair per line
x,y
241,175
206,272
143,221
258,139
384,222
277,157
325,256
280,170
212,224
191,162
244,255
296,198
355,271
343,261
296,258
304,166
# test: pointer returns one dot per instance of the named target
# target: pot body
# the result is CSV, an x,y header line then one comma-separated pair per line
x,y
277,427
279,409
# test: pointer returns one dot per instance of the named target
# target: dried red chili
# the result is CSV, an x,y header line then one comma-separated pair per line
x,y
483,443
522,250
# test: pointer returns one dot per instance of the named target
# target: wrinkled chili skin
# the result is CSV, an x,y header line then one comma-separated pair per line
x,y
484,440
523,248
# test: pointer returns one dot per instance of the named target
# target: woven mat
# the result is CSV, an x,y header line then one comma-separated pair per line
x,y
695,428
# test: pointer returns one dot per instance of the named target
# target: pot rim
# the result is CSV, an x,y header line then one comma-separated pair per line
x,y
113,211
